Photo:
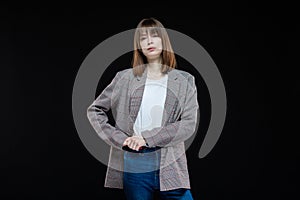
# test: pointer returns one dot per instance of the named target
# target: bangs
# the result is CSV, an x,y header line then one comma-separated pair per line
x,y
149,29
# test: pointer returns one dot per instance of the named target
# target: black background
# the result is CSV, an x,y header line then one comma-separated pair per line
x,y
255,48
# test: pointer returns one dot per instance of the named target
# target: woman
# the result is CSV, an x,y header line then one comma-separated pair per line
x,y
155,109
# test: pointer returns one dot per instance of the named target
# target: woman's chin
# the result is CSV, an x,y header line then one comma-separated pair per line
x,y
153,55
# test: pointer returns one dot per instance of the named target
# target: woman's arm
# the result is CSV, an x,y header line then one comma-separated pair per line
x,y
178,131
96,114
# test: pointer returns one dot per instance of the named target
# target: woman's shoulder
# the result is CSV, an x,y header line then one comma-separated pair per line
x,y
182,73
125,72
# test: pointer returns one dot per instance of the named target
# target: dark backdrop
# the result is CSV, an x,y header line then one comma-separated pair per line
x,y
255,49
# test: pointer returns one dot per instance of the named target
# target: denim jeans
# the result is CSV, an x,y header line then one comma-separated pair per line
x,y
141,177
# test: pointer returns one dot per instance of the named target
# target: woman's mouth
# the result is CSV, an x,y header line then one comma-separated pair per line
x,y
151,49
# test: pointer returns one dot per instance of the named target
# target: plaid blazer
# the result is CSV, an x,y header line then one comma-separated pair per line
x,y
123,96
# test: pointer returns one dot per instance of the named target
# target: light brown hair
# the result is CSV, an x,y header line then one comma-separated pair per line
x,y
167,55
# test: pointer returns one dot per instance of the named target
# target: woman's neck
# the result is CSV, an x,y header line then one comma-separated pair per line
x,y
154,71
154,68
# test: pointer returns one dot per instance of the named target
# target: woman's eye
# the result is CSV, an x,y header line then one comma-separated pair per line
x,y
142,38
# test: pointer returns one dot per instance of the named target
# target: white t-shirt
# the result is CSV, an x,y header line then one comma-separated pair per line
x,y
152,106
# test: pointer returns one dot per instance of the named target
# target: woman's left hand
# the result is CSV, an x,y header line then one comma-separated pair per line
x,y
135,142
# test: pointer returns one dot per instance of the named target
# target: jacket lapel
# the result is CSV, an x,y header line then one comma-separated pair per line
x,y
136,96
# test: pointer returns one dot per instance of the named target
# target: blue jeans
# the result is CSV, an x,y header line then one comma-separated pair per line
x,y
141,177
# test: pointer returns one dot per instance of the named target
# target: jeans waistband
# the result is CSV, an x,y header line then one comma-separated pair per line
x,y
142,150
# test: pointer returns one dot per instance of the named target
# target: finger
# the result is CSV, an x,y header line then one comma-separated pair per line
x,y
125,143
136,147
138,144
130,144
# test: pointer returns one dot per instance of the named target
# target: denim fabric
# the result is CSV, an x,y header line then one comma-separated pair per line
x,y
141,177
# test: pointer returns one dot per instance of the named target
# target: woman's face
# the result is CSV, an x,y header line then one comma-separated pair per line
x,y
151,44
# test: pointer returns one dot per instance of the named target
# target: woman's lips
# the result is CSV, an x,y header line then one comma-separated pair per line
x,y
151,49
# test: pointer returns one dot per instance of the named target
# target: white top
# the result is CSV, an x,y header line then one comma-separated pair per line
x,y
152,106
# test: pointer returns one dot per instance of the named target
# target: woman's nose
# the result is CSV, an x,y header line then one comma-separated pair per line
x,y
149,40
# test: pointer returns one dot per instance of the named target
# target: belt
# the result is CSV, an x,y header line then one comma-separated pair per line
x,y
141,149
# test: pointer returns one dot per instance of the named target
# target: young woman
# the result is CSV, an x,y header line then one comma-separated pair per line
x,y
155,109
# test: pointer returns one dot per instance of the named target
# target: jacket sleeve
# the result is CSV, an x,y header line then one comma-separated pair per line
x,y
181,130
97,116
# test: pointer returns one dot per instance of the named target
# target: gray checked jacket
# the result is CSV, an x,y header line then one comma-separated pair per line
x,y
123,96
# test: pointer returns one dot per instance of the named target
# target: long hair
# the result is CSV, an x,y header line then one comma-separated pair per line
x,y
167,55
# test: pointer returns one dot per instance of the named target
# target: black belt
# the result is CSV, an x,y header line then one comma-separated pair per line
x,y
141,149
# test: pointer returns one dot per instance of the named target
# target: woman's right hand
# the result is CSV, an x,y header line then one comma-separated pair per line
x,y
135,142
